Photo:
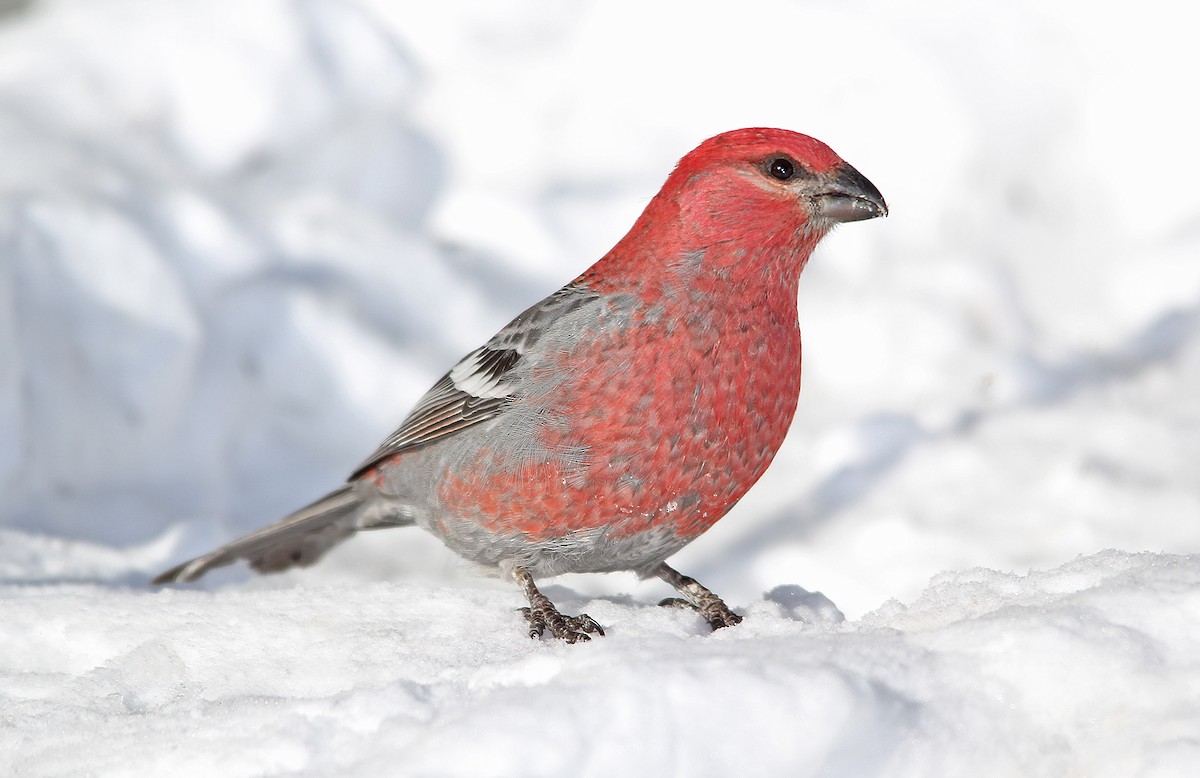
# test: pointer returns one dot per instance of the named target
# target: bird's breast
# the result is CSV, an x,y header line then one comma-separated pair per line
x,y
653,417
691,413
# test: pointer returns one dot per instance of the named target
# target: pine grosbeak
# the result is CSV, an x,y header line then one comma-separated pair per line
x,y
613,422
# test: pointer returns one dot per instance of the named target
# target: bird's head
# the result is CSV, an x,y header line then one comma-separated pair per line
x,y
742,202
759,184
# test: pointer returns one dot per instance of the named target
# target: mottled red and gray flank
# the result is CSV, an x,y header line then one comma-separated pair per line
x,y
613,422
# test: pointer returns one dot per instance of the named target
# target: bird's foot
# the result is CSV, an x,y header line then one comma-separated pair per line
x,y
698,598
572,629
542,615
717,614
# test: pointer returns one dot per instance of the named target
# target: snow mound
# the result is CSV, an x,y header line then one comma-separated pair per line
x,y
1088,669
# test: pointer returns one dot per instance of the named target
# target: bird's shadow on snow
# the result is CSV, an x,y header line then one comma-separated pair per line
x,y
789,601
558,592
129,582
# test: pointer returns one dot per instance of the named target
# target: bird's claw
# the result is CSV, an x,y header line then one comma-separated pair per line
x,y
572,629
542,615
714,611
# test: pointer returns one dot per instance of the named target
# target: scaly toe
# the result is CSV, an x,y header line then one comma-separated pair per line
x,y
537,624
717,613
720,616
572,629
586,624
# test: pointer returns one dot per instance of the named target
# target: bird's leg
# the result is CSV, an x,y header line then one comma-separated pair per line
x,y
709,605
542,614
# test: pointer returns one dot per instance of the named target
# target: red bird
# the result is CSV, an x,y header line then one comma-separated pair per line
x,y
615,421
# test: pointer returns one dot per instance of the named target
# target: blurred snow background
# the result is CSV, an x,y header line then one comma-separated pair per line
x,y
238,240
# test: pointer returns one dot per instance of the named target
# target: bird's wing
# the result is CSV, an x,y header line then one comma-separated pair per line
x,y
482,384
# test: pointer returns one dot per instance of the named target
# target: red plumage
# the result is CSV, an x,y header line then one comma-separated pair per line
x,y
615,421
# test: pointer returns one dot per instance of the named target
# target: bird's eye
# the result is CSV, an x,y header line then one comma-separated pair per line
x,y
781,168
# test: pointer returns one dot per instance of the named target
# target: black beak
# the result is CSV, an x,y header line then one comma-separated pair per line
x,y
848,196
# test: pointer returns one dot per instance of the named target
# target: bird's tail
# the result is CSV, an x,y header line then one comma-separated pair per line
x,y
298,539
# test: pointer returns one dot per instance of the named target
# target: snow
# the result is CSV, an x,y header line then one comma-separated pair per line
x,y
1074,671
237,241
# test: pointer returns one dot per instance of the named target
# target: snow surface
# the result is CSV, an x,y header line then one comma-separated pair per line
x,y
1088,669
238,240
